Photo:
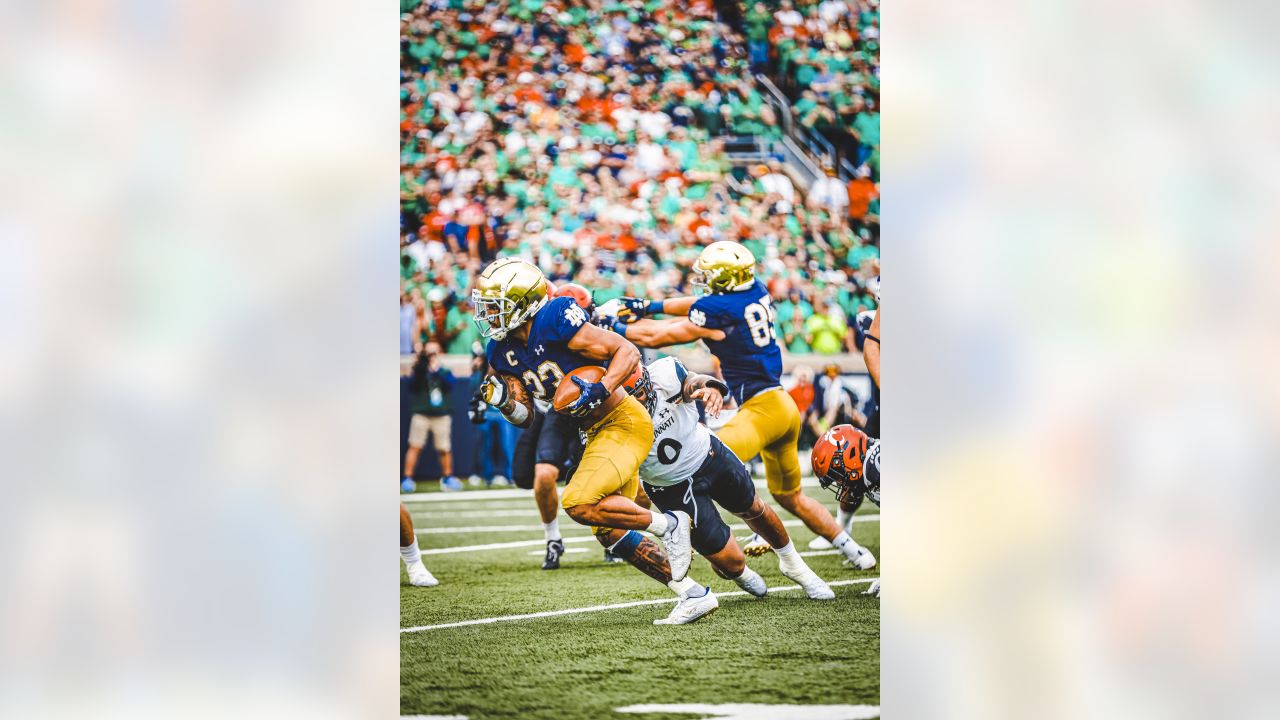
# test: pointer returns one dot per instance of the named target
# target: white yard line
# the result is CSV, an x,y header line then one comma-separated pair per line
x,y
599,608
502,545
530,528
507,493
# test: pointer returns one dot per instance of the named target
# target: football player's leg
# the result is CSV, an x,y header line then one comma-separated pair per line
x,y
743,433
417,440
602,489
648,557
710,537
412,556
782,469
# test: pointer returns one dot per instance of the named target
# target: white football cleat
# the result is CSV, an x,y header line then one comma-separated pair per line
x,y
751,581
690,609
755,546
820,543
858,556
475,481
815,587
874,589
420,576
678,545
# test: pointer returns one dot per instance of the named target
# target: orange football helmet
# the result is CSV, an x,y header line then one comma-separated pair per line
x,y
639,386
837,461
580,295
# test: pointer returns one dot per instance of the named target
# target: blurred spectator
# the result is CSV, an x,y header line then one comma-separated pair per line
x,y
496,447
430,384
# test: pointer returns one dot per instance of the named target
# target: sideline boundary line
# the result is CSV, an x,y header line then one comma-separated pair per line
x,y
600,608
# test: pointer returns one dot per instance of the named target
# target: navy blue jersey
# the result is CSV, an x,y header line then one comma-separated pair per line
x,y
546,359
749,355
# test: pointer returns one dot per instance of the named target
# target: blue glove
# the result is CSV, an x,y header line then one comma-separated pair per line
x,y
632,309
593,396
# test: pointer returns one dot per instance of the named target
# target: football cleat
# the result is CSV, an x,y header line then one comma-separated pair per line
x,y
755,546
609,557
691,608
815,587
450,484
858,556
408,485
475,481
502,481
420,576
874,589
555,548
751,581
820,543
678,544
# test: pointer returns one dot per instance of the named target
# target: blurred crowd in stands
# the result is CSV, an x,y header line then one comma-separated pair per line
x,y
590,138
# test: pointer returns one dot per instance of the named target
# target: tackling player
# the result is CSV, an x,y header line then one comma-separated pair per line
x,y
736,321
690,469
534,342
418,573
847,463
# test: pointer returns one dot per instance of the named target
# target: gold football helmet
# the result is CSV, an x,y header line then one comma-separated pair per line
x,y
507,294
723,266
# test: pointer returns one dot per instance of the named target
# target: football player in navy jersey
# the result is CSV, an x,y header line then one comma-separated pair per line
x,y
735,318
534,341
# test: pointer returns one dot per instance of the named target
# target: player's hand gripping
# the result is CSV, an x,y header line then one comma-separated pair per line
x,y
593,396
711,399
626,309
495,392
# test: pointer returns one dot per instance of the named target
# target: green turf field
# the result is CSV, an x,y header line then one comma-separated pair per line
x,y
782,649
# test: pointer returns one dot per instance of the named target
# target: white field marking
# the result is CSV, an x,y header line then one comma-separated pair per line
x,y
811,553
503,545
755,711
502,512
531,528
567,550
599,608
506,493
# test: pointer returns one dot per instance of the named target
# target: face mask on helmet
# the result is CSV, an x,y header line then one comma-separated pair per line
x,y
640,387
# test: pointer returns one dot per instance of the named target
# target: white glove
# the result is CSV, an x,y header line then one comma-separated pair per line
x,y
494,392
610,309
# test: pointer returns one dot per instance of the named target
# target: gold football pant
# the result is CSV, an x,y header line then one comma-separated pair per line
x,y
616,445
768,425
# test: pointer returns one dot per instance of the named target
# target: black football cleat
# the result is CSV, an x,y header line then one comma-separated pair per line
x,y
609,557
555,548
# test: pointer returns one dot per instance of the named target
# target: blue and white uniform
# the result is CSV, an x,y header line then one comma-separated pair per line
x,y
545,359
750,358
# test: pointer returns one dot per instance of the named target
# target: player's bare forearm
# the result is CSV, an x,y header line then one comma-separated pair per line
x,y
598,344
674,331
677,305
871,349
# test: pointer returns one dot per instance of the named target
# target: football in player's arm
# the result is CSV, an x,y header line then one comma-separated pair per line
x,y
535,343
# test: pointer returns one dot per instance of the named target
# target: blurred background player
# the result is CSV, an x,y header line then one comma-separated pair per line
x,y
536,340
418,573
548,450
429,385
496,442
847,462
690,469
736,321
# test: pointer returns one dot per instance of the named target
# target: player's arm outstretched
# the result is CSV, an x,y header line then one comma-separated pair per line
x,y
507,394
871,349
709,390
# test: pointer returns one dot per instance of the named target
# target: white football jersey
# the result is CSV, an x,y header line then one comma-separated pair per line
x,y
871,472
680,442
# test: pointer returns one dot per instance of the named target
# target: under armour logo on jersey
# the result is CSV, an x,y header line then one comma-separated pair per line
x,y
575,315
697,317
539,350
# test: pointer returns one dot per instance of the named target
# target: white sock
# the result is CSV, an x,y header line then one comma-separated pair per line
x,y
683,587
661,523
787,554
843,518
747,574
411,554
552,529
840,540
